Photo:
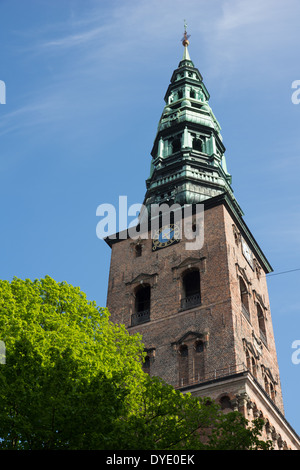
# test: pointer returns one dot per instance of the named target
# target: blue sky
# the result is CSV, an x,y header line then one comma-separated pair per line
x,y
85,82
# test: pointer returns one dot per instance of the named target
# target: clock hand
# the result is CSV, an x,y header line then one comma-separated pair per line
x,y
167,235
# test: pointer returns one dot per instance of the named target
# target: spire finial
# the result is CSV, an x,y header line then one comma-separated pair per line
x,y
185,39
185,43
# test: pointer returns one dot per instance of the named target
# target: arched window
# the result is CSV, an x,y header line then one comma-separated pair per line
x,y
142,305
267,386
176,145
142,298
199,360
199,346
261,324
248,361
138,251
225,403
244,297
254,367
183,365
192,94
146,365
272,392
191,289
251,364
197,144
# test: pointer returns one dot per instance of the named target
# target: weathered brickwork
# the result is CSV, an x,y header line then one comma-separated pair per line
x,y
242,393
193,345
227,333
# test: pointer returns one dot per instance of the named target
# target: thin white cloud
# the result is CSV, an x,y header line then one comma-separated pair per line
x,y
75,39
50,106
238,14
254,36
140,33
22,117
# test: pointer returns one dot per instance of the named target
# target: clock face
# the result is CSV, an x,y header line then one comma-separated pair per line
x,y
165,236
247,253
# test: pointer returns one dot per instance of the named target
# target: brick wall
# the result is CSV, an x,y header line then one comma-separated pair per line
x,y
218,322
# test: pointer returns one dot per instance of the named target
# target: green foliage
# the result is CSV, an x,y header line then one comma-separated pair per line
x,y
233,431
74,380
170,420
166,419
69,370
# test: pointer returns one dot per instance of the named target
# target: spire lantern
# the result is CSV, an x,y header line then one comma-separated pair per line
x,y
188,161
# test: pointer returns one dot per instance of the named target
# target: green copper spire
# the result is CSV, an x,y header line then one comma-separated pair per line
x,y
188,156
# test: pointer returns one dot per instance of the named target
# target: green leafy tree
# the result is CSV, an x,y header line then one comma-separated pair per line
x,y
74,380
69,372
233,431
170,420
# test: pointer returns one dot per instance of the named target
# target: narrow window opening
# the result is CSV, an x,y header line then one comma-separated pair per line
x,y
267,386
183,365
272,392
225,403
244,298
142,305
254,368
146,365
261,324
192,283
191,289
176,145
138,251
197,144
142,300
199,361
248,361
199,346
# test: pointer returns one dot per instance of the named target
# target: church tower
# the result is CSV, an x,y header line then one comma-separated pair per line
x,y
202,309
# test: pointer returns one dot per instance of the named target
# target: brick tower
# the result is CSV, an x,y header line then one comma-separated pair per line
x,y
203,310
